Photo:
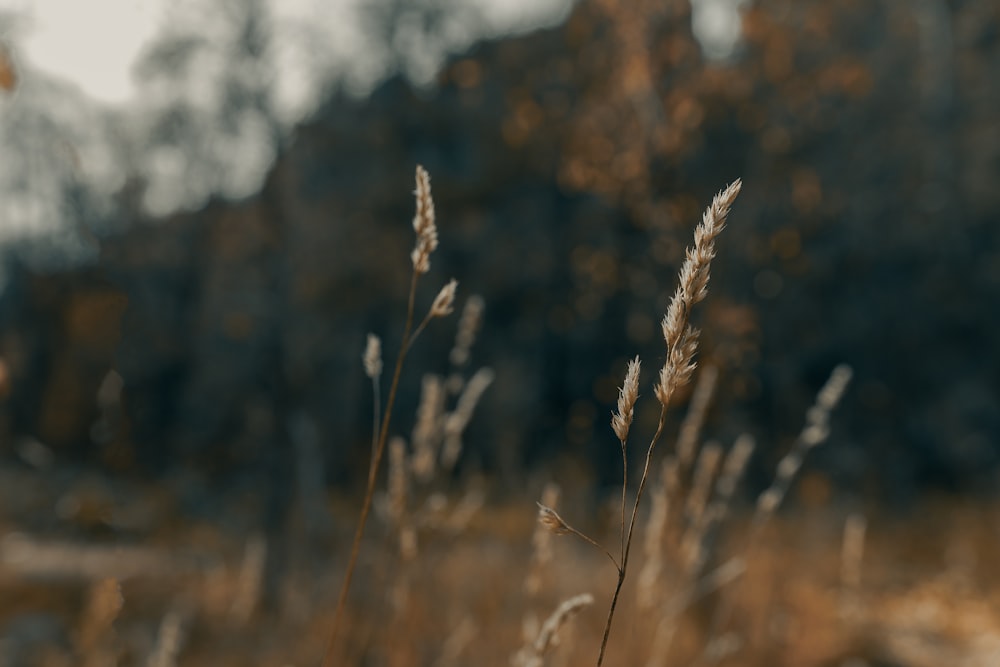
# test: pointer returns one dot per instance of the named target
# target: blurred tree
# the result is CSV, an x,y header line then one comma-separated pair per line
x,y
413,37
209,121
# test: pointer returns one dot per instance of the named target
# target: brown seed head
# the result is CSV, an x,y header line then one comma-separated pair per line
x,y
549,518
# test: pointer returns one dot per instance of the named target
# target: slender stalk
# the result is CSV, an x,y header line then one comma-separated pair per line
x,y
328,659
623,570
376,417
621,552
593,543
416,332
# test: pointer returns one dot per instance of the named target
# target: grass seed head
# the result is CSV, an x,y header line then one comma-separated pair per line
x,y
621,421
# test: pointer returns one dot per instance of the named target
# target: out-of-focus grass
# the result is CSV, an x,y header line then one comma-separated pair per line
x,y
929,592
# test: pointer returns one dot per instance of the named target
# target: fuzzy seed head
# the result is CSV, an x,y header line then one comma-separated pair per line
x,y
551,520
444,302
564,612
423,224
468,326
373,356
621,421
680,338
679,367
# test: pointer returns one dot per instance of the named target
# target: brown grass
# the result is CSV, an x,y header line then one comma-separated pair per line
x,y
471,575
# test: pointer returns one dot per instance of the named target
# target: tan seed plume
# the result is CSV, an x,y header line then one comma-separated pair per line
x,y
656,531
694,420
456,421
621,421
468,326
701,484
551,520
532,654
427,432
815,432
564,612
541,541
373,356
423,224
444,302
680,337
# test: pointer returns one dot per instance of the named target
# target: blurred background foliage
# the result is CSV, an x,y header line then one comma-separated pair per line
x,y
203,306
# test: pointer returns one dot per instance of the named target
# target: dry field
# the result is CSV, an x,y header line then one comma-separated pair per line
x,y
681,568
924,592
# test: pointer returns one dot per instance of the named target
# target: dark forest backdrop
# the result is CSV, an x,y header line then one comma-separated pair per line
x,y
569,167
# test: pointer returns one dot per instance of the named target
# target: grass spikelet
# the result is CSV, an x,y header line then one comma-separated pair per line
x,y
549,519
444,303
697,541
621,421
456,421
468,327
733,468
168,641
815,431
372,357
681,338
694,420
547,636
372,361
427,431
541,542
627,396
423,224
532,655
701,485
656,530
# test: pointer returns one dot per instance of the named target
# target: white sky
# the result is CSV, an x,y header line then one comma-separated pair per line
x,y
90,135
94,43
